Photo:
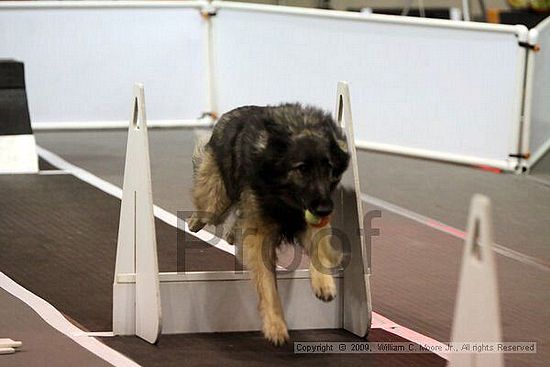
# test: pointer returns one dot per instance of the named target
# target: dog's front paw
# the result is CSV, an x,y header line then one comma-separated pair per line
x,y
195,223
275,331
324,287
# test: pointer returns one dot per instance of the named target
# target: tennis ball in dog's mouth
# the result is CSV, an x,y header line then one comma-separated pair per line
x,y
316,221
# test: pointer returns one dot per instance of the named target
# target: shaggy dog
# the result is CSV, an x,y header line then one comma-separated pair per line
x,y
273,163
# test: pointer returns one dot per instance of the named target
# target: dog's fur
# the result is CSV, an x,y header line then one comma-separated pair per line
x,y
272,163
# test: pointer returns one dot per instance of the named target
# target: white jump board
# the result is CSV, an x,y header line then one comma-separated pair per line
x,y
194,302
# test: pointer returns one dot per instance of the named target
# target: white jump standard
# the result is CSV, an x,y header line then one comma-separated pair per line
x,y
137,310
191,301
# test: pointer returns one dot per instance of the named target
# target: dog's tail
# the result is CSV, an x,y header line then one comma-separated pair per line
x,y
198,153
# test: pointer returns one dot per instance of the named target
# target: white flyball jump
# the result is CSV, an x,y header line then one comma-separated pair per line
x,y
196,301
477,313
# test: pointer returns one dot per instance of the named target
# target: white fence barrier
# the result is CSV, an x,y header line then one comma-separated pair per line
x,y
450,90
80,58
537,98
431,88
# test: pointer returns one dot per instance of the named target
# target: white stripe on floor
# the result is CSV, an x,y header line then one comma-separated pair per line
x,y
99,334
380,322
53,172
55,319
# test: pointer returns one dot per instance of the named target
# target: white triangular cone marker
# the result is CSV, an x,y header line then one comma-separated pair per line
x,y
137,245
477,313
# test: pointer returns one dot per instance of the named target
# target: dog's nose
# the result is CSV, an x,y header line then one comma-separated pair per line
x,y
323,208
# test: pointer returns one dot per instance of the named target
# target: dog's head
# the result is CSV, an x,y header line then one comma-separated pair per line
x,y
304,158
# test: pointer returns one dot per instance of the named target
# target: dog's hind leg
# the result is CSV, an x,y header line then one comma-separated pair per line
x,y
324,259
209,193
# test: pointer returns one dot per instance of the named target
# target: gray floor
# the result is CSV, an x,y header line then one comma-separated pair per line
x,y
415,268
438,190
414,283
521,206
103,153
541,170
43,346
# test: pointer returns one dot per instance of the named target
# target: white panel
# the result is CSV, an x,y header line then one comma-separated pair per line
x,y
191,302
18,154
418,85
124,309
206,306
81,61
540,94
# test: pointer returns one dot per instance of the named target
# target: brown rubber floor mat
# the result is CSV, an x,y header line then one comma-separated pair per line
x,y
45,166
59,238
42,344
250,349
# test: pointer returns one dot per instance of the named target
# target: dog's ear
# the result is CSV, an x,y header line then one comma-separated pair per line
x,y
338,152
278,136
272,158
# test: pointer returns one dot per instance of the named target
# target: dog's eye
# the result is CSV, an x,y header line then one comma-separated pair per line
x,y
301,167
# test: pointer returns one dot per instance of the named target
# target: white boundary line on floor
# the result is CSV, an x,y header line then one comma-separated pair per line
x,y
53,172
55,319
445,228
411,335
379,321
101,334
